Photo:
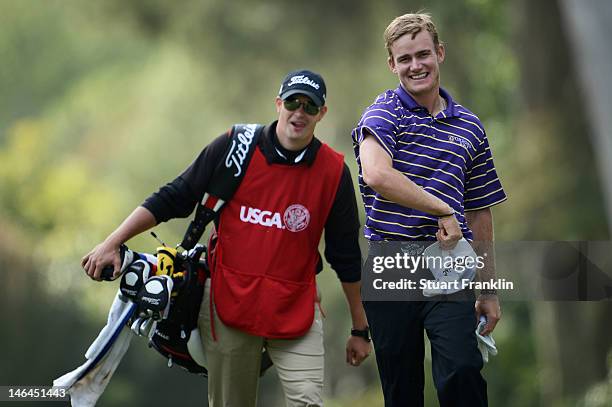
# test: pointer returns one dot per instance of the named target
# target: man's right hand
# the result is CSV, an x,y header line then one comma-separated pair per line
x,y
449,232
104,254
108,252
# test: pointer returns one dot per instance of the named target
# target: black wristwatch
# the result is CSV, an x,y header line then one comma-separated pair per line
x,y
362,333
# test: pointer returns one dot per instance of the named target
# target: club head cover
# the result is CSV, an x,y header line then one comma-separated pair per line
x,y
154,296
127,258
134,278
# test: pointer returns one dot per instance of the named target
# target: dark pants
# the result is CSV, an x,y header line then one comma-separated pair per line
x,y
397,333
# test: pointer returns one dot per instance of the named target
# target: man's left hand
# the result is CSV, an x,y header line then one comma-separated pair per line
x,y
357,349
488,305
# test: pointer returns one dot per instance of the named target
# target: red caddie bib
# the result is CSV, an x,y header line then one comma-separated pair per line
x,y
267,251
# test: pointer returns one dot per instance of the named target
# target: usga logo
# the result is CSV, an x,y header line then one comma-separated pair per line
x,y
295,218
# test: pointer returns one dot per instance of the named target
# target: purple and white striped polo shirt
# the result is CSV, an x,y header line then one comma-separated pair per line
x,y
447,155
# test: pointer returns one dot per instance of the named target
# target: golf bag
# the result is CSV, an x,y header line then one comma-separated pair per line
x,y
177,336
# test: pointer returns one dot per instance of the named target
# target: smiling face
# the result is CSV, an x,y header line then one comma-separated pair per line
x,y
416,61
295,129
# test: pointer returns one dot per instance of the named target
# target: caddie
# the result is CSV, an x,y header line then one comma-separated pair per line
x,y
262,291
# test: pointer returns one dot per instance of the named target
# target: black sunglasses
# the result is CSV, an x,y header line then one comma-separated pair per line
x,y
294,104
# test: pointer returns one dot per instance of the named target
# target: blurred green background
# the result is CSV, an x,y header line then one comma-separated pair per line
x,y
103,102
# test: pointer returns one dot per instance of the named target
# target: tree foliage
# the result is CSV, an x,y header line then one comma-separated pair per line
x,y
103,102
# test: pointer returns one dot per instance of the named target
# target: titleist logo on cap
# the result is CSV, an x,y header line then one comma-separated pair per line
x,y
306,83
302,79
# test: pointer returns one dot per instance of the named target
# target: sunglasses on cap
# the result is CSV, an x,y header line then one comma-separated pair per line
x,y
294,104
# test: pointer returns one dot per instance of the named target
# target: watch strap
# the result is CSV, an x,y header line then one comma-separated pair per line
x,y
362,333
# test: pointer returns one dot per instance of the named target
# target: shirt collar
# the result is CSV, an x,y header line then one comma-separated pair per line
x,y
276,154
409,102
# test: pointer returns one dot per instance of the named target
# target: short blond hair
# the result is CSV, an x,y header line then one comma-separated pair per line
x,y
412,23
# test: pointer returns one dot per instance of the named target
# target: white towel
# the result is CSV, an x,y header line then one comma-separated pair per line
x,y
486,344
86,383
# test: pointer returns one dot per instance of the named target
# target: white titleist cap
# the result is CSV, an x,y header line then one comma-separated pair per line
x,y
447,266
